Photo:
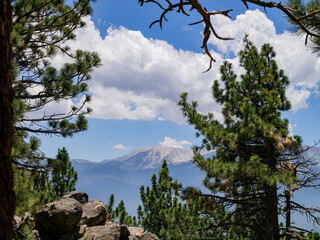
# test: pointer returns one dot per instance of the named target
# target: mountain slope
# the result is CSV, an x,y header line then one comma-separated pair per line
x,y
152,157
123,176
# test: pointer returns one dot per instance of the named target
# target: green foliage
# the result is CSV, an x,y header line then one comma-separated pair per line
x,y
255,157
63,176
39,185
119,214
165,214
308,13
41,30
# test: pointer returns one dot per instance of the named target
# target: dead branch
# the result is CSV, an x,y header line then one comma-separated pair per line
x,y
209,29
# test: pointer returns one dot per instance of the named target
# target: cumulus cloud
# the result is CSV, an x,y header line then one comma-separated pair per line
x,y
300,65
292,128
120,147
141,78
172,142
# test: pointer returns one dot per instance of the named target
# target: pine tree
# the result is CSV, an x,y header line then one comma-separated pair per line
x,y
254,154
42,29
7,197
309,13
63,176
119,214
165,214
39,185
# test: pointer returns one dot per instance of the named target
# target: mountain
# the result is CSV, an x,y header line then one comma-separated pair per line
x,y
124,176
152,157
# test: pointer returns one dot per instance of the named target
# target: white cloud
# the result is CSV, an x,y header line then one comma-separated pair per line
x,y
291,129
300,65
142,78
120,147
172,142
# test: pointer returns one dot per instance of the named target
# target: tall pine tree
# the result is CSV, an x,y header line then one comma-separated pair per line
x,y
63,176
164,213
7,197
255,156
42,29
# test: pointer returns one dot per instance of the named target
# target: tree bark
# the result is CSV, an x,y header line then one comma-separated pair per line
x,y
7,196
272,219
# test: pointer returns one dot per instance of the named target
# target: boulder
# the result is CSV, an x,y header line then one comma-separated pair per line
x,y
94,213
58,217
81,197
124,232
137,233
76,233
24,227
109,231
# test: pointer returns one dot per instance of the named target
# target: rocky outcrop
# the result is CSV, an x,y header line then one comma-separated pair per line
x,y
81,197
58,217
73,217
109,231
94,213
137,233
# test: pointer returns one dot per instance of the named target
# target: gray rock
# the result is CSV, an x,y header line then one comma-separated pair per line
x,y
76,233
16,221
149,236
124,232
81,197
109,231
94,213
58,217
24,227
137,233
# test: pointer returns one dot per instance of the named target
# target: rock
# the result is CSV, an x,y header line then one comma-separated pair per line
x,y
124,232
24,227
35,235
74,218
16,221
76,233
58,217
137,233
81,197
109,231
94,213
149,236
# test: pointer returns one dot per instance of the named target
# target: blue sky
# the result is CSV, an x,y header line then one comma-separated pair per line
x,y
144,71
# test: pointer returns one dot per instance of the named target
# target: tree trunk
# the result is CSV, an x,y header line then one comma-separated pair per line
x,y
288,214
272,220
7,196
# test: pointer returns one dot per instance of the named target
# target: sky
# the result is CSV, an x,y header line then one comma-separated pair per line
x,y
136,90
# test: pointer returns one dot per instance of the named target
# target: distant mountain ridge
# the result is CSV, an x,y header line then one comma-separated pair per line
x,y
150,157
124,175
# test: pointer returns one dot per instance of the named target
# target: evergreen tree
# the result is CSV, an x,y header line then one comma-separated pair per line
x,y
119,214
63,176
39,185
163,212
309,13
42,29
7,197
255,157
